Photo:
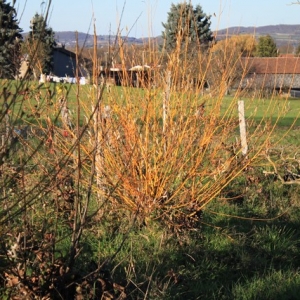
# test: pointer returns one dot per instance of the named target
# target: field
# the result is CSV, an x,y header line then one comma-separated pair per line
x,y
109,195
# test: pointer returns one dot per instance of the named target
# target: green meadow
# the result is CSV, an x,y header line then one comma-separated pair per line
x,y
282,111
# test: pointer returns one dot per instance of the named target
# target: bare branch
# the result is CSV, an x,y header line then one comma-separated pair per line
x,y
290,168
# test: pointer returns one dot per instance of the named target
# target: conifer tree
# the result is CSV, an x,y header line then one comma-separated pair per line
x,y
266,47
39,45
189,24
10,41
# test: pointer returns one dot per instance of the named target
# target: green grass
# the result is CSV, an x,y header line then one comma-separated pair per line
x,y
229,259
283,112
226,259
272,285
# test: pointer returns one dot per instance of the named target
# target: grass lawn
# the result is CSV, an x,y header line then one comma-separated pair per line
x,y
284,112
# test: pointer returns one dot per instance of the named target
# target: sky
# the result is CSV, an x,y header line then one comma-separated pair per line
x,y
143,18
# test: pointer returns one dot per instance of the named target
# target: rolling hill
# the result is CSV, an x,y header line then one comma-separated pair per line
x,y
282,34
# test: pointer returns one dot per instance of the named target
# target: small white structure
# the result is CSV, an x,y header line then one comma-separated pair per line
x,y
140,68
43,78
82,80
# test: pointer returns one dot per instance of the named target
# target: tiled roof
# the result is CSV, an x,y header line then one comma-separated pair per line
x,y
272,65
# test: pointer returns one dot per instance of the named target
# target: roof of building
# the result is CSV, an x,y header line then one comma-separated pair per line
x,y
139,68
65,51
273,65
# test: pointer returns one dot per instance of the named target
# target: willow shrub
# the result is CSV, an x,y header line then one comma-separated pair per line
x,y
75,155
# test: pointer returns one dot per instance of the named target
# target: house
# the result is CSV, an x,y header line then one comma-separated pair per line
x,y
139,75
135,76
64,63
113,74
271,73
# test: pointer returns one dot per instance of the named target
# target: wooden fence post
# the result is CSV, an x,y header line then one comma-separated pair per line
x,y
242,123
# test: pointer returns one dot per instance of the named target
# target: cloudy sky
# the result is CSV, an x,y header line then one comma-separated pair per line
x,y
143,17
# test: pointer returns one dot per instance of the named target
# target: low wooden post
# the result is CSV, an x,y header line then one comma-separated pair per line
x,y
242,123
166,100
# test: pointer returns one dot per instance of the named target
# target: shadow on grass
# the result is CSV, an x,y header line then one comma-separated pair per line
x,y
243,260
227,258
